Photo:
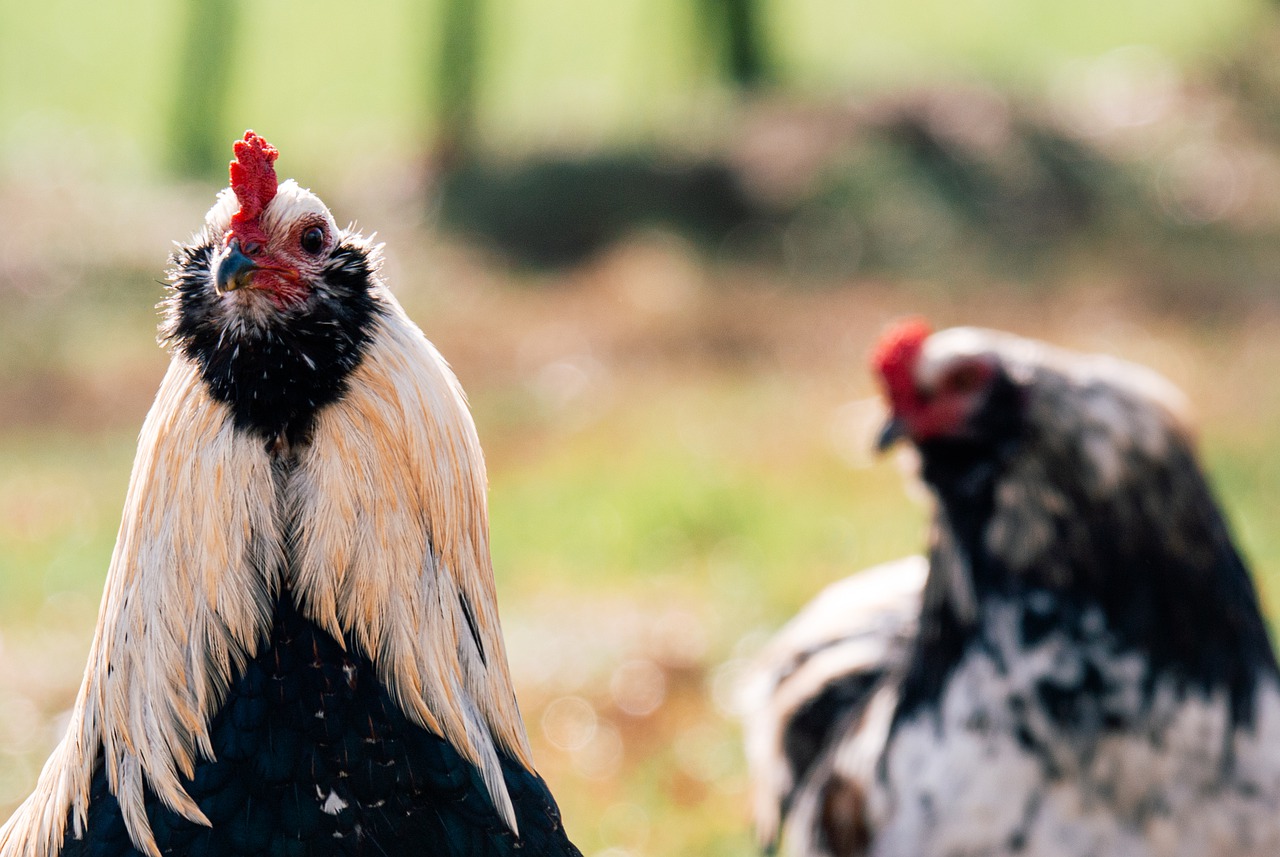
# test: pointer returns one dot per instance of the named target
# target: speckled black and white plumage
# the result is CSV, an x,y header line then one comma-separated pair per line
x,y
1091,673
819,674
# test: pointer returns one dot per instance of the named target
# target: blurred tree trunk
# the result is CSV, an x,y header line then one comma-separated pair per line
x,y
736,30
457,78
197,147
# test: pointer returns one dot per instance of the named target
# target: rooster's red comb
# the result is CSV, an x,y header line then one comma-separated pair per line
x,y
253,177
895,355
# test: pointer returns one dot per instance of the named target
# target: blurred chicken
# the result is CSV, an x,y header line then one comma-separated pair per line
x,y
1083,669
820,671
298,649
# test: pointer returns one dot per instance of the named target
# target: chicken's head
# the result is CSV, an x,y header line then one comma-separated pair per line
x,y
272,301
276,243
939,387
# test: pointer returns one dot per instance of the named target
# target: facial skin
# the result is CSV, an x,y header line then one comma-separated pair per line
x,y
281,255
941,401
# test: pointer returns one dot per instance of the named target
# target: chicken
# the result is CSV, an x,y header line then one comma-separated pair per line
x,y
298,649
1084,670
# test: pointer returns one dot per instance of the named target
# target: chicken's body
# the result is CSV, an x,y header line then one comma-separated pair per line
x,y
1091,674
817,676
298,650
314,757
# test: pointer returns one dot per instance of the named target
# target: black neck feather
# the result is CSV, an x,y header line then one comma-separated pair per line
x,y
275,373
1154,557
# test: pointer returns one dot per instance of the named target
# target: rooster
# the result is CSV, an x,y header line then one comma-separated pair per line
x,y
298,649
1083,669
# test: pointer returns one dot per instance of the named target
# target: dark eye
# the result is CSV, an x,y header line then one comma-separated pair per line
x,y
312,240
966,379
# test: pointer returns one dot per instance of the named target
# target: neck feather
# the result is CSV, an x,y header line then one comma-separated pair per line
x,y
1129,531
275,368
378,527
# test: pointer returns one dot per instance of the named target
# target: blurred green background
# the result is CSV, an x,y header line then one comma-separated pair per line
x,y
655,239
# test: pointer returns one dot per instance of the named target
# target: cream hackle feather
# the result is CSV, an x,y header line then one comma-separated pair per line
x,y
388,510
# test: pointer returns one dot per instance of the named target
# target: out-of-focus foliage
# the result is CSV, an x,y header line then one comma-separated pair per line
x,y
1128,165
325,79
737,32
559,211
459,59
200,94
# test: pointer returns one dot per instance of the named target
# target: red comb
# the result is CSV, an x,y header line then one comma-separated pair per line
x,y
253,178
895,357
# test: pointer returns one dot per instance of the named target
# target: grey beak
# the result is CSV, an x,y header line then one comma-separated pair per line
x,y
233,269
894,430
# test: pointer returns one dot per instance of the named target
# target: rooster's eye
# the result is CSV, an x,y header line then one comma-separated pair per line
x,y
312,240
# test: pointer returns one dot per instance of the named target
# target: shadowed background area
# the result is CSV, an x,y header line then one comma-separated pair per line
x,y
655,240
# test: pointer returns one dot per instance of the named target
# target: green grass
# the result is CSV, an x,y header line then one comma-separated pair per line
x,y
726,488
1246,478
60,501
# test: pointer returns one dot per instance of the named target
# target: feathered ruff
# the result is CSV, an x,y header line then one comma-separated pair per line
x,y
425,607
188,593
388,506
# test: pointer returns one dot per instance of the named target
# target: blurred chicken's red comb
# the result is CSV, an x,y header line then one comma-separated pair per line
x,y
253,177
895,356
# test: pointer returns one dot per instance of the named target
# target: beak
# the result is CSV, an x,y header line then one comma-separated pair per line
x,y
233,270
894,430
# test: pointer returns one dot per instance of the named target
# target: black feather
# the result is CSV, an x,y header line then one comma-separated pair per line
x,y
278,372
315,758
